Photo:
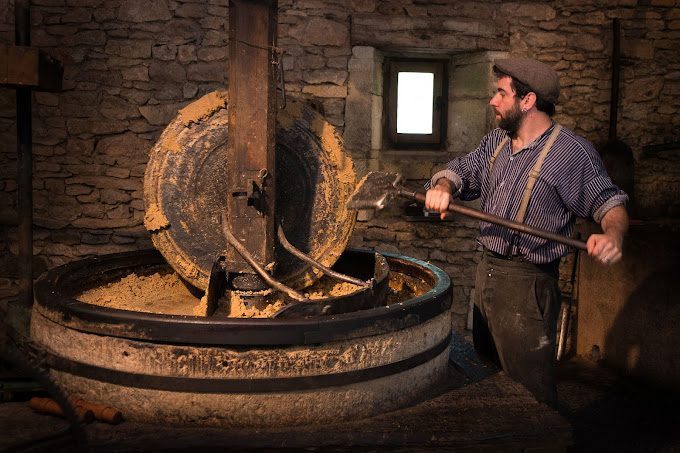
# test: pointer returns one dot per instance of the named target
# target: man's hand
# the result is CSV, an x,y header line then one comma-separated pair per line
x,y
439,197
607,247
604,248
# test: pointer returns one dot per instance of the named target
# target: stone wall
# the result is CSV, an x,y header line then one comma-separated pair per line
x,y
130,64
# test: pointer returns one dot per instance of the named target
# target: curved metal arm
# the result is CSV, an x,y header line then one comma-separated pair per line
x,y
245,254
309,260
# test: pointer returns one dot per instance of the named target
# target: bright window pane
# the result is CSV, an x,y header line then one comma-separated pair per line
x,y
415,91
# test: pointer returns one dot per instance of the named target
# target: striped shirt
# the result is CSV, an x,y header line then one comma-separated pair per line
x,y
572,182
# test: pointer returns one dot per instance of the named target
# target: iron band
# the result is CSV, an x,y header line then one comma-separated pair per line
x,y
242,385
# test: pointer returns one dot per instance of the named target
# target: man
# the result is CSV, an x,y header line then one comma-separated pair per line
x,y
534,171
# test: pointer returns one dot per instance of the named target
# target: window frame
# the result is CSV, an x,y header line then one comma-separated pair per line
x,y
438,67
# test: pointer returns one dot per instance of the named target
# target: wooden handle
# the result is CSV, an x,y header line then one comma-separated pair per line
x,y
521,227
101,412
49,406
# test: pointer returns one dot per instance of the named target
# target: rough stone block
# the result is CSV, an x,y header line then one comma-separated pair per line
x,y
536,11
87,38
419,169
337,63
42,98
136,73
78,189
192,10
214,38
642,89
167,72
474,80
207,72
85,222
186,54
116,239
321,32
212,53
363,5
540,39
380,234
77,126
120,211
467,124
310,62
90,198
587,42
364,52
118,172
116,108
53,185
213,23
160,115
357,135
164,52
144,11
96,238
326,91
325,76
106,182
123,145
114,196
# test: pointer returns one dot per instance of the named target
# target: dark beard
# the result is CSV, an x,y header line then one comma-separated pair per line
x,y
512,121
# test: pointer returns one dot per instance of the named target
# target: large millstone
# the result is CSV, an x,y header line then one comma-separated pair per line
x,y
185,190
241,372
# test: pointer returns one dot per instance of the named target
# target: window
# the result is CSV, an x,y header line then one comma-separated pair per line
x,y
415,95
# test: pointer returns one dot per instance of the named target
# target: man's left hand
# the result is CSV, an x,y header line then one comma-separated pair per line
x,y
604,248
607,247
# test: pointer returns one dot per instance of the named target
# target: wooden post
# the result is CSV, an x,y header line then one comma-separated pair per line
x,y
26,69
22,32
252,133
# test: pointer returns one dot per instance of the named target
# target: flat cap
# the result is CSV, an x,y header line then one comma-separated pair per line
x,y
541,78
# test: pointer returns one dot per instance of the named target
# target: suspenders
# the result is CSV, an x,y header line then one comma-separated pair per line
x,y
497,151
533,174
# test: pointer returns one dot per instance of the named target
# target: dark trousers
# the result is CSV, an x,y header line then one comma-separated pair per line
x,y
515,320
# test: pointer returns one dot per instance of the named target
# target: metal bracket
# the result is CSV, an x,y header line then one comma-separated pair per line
x,y
309,260
245,254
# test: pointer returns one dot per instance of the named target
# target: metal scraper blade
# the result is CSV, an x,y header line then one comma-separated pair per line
x,y
375,190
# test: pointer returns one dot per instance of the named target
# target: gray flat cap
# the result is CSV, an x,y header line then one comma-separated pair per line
x,y
541,78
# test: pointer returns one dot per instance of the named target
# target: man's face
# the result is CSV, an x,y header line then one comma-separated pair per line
x,y
505,105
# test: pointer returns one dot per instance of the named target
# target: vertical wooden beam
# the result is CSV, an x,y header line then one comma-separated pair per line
x,y
22,34
252,134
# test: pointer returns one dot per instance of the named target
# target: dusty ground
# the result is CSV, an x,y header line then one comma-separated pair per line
x,y
481,409
610,412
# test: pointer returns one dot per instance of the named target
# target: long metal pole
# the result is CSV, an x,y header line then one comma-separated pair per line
x,y
517,226
22,34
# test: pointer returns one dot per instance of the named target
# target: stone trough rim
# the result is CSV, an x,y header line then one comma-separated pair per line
x,y
63,309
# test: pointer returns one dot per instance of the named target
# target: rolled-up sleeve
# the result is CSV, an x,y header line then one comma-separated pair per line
x,y
590,192
451,176
466,172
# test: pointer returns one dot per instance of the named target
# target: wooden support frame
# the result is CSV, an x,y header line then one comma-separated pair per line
x,y
29,67
252,130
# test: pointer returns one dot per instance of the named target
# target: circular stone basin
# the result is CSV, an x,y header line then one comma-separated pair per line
x,y
238,372
172,296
